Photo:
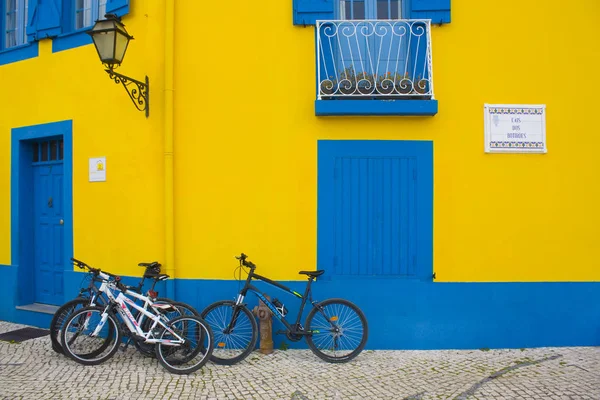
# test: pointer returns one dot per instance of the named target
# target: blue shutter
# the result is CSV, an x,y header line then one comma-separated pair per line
x,y
307,12
118,7
375,208
32,20
374,223
436,10
46,18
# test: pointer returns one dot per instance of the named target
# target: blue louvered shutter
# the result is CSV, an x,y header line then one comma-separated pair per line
x,y
118,7
307,12
436,10
32,20
47,17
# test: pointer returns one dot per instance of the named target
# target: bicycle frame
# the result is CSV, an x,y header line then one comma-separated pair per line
x,y
96,298
250,287
134,327
95,295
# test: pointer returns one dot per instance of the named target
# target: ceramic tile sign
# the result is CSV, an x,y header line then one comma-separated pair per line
x,y
98,169
514,128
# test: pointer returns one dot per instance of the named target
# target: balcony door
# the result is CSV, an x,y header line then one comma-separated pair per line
x,y
372,47
370,51
369,9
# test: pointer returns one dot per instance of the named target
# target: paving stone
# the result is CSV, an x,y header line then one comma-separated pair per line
x,y
31,370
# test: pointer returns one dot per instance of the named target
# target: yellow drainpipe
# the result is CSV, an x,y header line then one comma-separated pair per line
x,y
169,187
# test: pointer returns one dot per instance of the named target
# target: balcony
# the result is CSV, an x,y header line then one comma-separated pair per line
x,y
374,67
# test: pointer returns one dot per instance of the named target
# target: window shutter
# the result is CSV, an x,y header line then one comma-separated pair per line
x,y
47,18
118,7
307,12
436,10
32,20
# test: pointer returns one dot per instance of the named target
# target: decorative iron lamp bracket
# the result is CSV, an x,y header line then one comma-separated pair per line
x,y
111,40
139,92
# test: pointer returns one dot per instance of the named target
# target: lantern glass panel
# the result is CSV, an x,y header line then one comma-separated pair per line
x,y
120,46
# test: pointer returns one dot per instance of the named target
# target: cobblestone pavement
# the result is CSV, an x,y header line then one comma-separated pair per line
x,y
31,370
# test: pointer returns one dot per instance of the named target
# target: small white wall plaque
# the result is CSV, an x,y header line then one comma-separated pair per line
x,y
98,169
514,128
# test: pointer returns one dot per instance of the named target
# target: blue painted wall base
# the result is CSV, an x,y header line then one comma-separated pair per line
x,y
407,314
428,315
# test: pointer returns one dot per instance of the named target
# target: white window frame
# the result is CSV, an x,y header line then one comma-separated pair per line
x,y
370,9
15,35
92,10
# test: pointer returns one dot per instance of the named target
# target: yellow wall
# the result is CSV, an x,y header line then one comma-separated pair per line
x,y
119,222
246,141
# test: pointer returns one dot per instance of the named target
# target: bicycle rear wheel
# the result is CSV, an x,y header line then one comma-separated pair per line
x,y
148,349
60,317
194,353
233,346
90,336
339,330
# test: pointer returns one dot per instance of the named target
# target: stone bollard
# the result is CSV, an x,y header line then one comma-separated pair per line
x,y
266,326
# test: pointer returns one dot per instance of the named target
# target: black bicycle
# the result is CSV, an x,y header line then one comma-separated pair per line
x,y
335,329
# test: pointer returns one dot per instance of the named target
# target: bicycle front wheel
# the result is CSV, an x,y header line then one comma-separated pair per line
x,y
339,330
90,336
193,353
231,345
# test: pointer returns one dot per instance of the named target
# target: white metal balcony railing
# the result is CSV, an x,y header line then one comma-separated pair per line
x,y
374,59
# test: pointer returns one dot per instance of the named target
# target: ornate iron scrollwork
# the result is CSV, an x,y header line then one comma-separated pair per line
x,y
139,92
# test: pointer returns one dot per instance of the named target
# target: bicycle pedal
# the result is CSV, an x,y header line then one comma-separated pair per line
x,y
280,332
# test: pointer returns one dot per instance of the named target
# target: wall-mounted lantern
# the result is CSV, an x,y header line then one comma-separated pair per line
x,y
111,39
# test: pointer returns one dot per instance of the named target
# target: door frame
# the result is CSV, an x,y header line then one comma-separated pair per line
x,y
21,200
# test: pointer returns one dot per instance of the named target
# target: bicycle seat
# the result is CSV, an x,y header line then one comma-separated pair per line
x,y
150,265
163,308
314,274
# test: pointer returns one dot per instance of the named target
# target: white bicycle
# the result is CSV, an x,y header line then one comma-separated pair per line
x,y
92,335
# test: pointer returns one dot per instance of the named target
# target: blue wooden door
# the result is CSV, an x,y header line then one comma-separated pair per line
x,y
48,231
374,220
375,208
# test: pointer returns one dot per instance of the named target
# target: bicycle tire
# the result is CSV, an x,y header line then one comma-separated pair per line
x,y
219,336
163,350
60,317
316,311
148,349
85,359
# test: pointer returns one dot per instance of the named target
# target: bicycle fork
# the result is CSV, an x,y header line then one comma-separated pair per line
x,y
236,312
100,325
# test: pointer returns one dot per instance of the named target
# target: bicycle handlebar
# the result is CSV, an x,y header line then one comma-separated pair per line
x,y
245,263
96,271
103,274
82,265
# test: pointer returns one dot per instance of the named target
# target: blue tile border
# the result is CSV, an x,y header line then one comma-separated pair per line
x,y
375,107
